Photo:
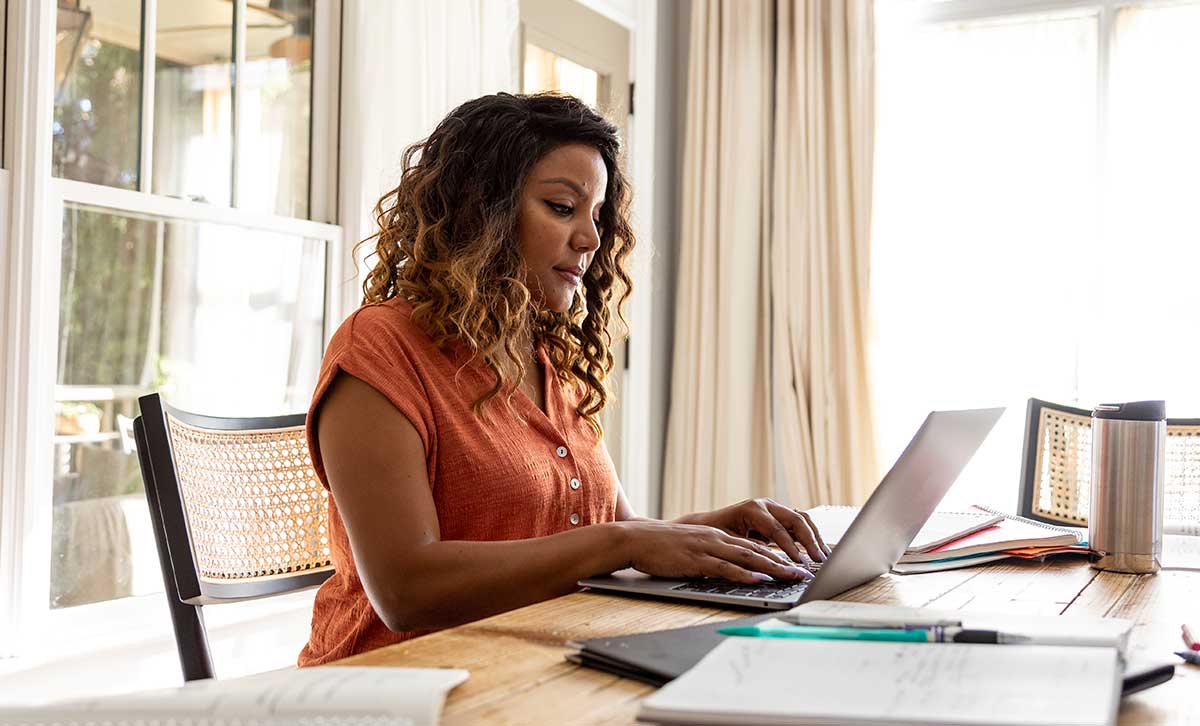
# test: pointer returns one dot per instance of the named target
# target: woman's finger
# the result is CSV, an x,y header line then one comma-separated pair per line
x,y
767,524
801,529
725,570
748,559
813,526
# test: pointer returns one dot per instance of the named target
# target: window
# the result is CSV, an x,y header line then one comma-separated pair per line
x,y
548,71
189,266
1034,226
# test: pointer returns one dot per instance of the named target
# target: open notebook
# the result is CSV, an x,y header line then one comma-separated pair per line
x,y
326,696
941,527
776,681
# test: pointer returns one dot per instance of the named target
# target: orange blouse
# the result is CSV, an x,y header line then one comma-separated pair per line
x,y
493,479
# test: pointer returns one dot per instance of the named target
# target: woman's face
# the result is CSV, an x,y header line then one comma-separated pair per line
x,y
558,222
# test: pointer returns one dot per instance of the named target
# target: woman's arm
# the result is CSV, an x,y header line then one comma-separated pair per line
x,y
375,463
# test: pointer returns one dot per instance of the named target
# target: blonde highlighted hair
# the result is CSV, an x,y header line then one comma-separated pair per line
x,y
447,244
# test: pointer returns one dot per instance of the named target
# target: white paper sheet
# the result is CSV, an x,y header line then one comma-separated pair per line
x,y
775,681
344,695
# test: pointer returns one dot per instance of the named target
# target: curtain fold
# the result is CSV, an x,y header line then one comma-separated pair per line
x,y
717,443
438,55
780,405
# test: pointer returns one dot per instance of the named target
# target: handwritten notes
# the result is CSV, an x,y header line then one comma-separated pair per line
x,y
844,682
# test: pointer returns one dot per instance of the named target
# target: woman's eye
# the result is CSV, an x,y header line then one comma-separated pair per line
x,y
562,209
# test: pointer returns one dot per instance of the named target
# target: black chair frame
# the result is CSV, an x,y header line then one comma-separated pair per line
x,y
186,591
1029,452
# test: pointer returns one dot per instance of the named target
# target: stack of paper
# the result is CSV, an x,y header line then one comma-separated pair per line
x,y
950,540
327,696
767,680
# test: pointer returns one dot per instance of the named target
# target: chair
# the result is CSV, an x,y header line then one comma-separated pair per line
x,y
1057,460
237,513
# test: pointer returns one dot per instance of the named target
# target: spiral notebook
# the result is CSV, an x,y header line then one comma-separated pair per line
x,y
1008,533
754,680
941,527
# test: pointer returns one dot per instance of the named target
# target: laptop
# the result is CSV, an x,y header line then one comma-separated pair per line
x,y
885,526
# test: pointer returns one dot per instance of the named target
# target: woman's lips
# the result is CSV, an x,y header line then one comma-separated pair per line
x,y
571,276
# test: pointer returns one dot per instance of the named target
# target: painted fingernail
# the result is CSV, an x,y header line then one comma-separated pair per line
x,y
800,572
760,577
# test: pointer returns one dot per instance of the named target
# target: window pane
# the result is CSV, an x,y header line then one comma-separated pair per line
x,y
984,218
275,106
545,71
97,91
150,304
193,100
1142,340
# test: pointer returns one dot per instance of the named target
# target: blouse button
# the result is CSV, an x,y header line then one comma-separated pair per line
x,y
574,519
561,451
574,483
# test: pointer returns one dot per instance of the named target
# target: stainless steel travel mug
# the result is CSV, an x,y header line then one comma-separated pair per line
x,y
1125,519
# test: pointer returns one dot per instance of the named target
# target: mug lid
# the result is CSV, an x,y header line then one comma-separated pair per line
x,y
1132,411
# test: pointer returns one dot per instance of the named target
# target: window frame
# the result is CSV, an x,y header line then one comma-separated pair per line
x,y
29,294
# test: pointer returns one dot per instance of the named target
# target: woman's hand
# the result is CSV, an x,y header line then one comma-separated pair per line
x,y
771,520
670,549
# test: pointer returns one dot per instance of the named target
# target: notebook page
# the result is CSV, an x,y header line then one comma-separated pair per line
x,y
854,682
348,695
941,527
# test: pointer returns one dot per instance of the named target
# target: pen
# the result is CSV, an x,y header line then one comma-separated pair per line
x,y
1188,640
1191,656
935,634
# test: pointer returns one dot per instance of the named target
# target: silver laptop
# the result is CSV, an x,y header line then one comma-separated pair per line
x,y
887,524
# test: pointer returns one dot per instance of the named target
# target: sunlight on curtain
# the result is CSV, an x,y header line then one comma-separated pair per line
x,y
983,227
1144,341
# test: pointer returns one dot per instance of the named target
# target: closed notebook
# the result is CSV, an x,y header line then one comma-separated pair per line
x,y
777,681
942,527
325,696
1011,532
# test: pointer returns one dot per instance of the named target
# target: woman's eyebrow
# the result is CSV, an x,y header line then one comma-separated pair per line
x,y
572,185
575,187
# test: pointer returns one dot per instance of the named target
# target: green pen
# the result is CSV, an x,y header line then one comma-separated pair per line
x,y
935,634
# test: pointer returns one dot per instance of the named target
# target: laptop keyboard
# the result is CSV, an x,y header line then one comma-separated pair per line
x,y
774,590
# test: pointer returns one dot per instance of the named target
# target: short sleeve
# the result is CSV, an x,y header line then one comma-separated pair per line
x,y
377,345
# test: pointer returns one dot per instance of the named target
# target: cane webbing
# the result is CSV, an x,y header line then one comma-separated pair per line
x,y
1064,463
255,508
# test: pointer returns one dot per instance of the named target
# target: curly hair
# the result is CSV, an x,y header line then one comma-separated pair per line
x,y
447,242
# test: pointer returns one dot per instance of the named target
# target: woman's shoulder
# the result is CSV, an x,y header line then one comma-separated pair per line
x,y
384,328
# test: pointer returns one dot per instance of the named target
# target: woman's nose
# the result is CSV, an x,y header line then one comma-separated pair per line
x,y
587,238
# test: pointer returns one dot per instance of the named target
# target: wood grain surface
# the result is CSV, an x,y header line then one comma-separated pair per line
x,y
519,675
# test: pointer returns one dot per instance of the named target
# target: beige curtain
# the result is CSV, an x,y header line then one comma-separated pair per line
x,y
718,446
770,391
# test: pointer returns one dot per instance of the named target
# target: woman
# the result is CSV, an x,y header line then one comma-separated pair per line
x,y
455,418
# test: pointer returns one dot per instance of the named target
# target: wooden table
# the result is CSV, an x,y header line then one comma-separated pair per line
x,y
519,676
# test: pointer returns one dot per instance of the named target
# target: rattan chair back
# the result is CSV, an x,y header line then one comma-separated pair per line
x,y
238,513
1057,462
